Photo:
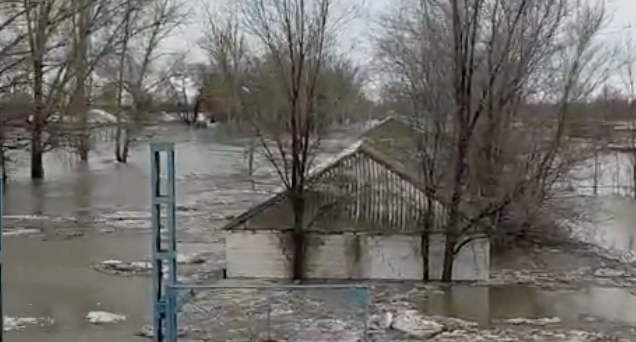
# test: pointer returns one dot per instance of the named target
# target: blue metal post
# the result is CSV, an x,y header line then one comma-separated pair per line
x,y
165,313
1,232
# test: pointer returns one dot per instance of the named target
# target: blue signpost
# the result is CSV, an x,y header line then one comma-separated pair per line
x,y
1,232
163,252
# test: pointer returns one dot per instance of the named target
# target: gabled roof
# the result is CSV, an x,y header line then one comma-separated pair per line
x,y
362,147
399,139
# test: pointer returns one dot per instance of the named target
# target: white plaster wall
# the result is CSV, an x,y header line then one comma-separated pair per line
x,y
349,256
255,255
471,263
394,257
327,258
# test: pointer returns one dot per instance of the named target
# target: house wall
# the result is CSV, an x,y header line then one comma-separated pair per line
x,y
256,255
265,254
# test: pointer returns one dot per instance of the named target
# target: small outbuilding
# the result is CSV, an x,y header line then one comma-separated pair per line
x,y
364,220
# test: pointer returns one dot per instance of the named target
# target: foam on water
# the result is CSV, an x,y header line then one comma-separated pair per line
x,y
103,317
20,323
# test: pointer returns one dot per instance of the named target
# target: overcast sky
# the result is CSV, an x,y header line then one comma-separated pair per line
x,y
622,13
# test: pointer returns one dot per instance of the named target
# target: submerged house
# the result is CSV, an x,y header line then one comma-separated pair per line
x,y
364,220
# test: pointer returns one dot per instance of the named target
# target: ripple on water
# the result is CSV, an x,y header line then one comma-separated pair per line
x,y
488,305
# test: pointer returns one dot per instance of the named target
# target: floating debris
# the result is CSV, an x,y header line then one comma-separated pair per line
x,y
533,321
124,268
135,268
147,331
413,323
104,317
610,273
20,323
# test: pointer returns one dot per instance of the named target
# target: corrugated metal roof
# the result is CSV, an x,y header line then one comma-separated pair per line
x,y
365,148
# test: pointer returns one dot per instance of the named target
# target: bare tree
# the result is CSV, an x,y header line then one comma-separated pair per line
x,y
506,58
410,49
46,22
58,67
12,55
102,30
136,67
295,35
225,46
81,42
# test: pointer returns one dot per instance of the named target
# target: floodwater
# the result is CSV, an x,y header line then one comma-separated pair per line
x,y
83,215
53,279
490,305
618,217
80,216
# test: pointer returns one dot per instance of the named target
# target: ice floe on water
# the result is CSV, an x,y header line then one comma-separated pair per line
x,y
410,325
414,324
532,321
104,317
192,258
126,215
28,217
123,268
20,232
21,323
144,267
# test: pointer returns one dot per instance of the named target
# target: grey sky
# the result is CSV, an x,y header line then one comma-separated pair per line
x,y
355,40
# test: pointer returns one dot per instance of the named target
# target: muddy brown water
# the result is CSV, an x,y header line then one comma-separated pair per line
x,y
491,305
85,215
53,279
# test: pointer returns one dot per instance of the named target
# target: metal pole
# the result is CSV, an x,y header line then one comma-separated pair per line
x,y
165,290
1,232
367,314
157,262
171,291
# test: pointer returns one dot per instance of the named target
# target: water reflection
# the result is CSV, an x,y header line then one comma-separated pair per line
x,y
82,197
488,304
38,193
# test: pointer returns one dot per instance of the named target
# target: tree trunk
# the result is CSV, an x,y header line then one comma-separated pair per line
x,y
37,124
449,255
118,146
298,237
126,148
119,155
453,219
425,240
37,155
81,106
122,146
596,172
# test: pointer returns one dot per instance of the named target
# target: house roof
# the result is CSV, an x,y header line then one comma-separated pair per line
x,y
403,139
365,147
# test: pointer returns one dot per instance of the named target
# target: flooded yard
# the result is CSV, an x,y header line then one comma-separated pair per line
x,y
497,304
57,231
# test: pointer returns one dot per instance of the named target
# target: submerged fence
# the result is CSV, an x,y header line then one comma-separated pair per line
x,y
271,313
313,313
